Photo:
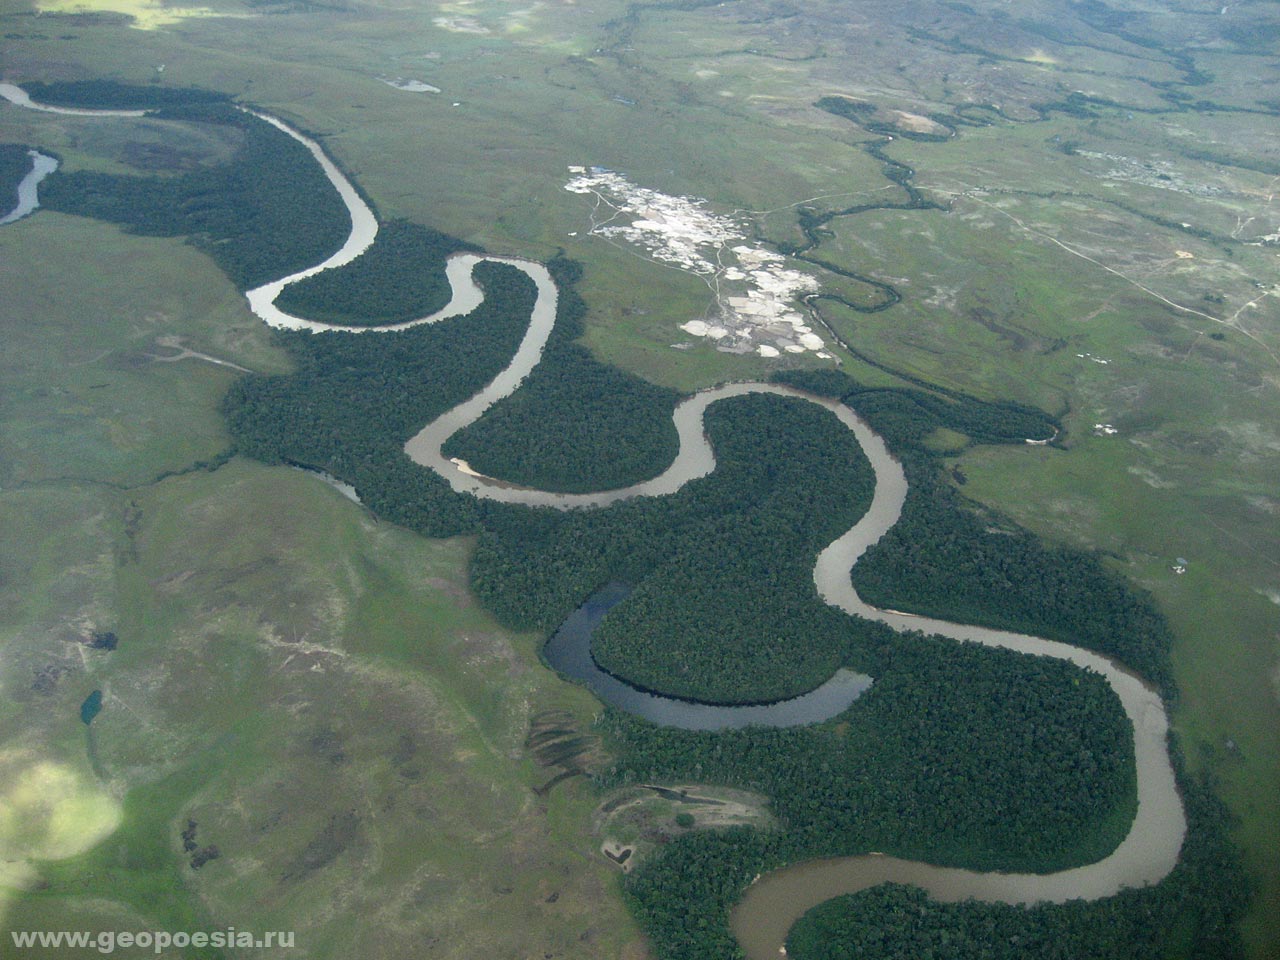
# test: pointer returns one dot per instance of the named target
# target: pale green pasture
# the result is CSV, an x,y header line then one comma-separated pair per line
x,y
979,310
1225,67
635,308
988,290
86,396
320,693
1151,163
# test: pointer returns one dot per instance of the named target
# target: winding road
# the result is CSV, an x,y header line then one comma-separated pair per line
x,y
774,902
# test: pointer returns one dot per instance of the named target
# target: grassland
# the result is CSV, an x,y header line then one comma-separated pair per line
x,y
1061,237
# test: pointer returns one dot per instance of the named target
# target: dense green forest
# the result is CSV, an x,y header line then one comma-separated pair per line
x,y
268,213
738,581
731,614
394,381
111,95
906,418
953,560
724,608
400,278
959,754
682,898
863,114
575,425
956,563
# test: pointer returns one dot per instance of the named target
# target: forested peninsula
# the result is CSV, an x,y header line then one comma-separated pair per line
x,y
397,280
959,754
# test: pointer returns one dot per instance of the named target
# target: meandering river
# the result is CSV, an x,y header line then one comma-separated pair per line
x,y
774,902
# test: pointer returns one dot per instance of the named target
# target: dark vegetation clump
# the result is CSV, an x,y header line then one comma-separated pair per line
x,y
355,399
268,212
341,831
91,707
15,163
101,640
1195,909
575,425
204,855
47,677
112,95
